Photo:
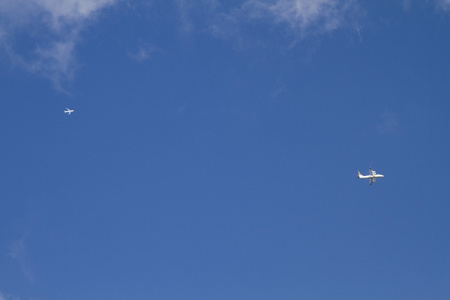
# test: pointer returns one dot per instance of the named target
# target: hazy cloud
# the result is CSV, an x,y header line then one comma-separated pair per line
x,y
143,52
299,18
55,13
388,123
183,12
8,297
193,13
303,17
55,61
41,35
444,4
439,4
17,251
406,5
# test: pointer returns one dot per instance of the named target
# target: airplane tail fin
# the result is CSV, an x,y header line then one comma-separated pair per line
x,y
359,175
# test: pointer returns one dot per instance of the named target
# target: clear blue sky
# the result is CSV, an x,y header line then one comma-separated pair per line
x,y
214,146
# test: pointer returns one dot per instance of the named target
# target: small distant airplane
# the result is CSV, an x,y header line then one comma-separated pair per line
x,y
372,176
68,111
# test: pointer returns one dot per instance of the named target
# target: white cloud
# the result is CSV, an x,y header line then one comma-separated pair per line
x,y
41,35
73,9
56,61
56,13
304,16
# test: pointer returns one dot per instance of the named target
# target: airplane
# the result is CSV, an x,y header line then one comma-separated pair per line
x,y
68,111
372,176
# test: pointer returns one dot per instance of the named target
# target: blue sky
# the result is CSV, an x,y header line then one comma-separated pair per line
x,y
214,146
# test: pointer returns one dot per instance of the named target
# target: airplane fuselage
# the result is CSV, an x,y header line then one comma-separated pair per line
x,y
371,176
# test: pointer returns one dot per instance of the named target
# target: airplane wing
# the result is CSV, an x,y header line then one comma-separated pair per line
x,y
372,180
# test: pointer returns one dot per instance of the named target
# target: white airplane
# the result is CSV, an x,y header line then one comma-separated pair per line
x,y
372,176
68,111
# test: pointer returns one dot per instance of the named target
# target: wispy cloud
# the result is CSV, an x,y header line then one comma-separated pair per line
x,y
55,61
247,22
406,5
440,5
299,18
304,15
8,297
388,123
444,4
41,35
143,52
17,251
183,11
